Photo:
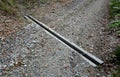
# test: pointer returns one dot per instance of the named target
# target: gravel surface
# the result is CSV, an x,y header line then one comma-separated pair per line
x,y
34,53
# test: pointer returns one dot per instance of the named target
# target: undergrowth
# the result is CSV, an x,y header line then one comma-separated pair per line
x,y
114,8
115,14
115,24
7,6
117,54
11,7
116,73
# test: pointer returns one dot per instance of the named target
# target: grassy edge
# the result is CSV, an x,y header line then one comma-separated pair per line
x,y
115,25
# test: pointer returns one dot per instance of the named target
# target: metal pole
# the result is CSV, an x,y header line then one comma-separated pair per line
x,y
94,61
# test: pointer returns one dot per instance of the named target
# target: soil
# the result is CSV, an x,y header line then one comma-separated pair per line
x,y
30,52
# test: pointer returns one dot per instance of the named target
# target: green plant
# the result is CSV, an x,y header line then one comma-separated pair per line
x,y
115,24
7,6
117,53
116,73
114,7
118,32
43,1
115,15
27,3
9,2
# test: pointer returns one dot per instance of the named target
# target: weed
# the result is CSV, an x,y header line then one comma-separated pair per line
x,y
43,1
116,60
115,15
115,24
114,7
117,53
7,6
116,73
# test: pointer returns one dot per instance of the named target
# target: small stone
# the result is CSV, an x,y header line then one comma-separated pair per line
x,y
92,46
91,51
32,50
2,38
26,74
85,75
23,55
83,63
71,58
4,66
25,65
51,75
11,64
66,67
59,48
36,55
77,65
77,74
0,73
86,65
7,21
34,41
51,26
17,64
46,65
98,74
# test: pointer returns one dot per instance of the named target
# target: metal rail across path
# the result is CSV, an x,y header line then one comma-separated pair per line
x,y
94,61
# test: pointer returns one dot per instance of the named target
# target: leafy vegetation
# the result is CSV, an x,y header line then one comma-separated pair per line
x,y
114,7
116,73
12,6
7,6
115,14
115,24
117,54
116,57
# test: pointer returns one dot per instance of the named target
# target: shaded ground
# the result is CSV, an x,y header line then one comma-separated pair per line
x,y
34,53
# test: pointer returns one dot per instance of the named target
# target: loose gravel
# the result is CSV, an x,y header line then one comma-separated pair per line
x,y
34,53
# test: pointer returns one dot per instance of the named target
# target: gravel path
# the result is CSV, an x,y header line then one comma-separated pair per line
x,y
34,53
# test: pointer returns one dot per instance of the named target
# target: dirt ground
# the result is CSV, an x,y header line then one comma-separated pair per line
x,y
31,52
